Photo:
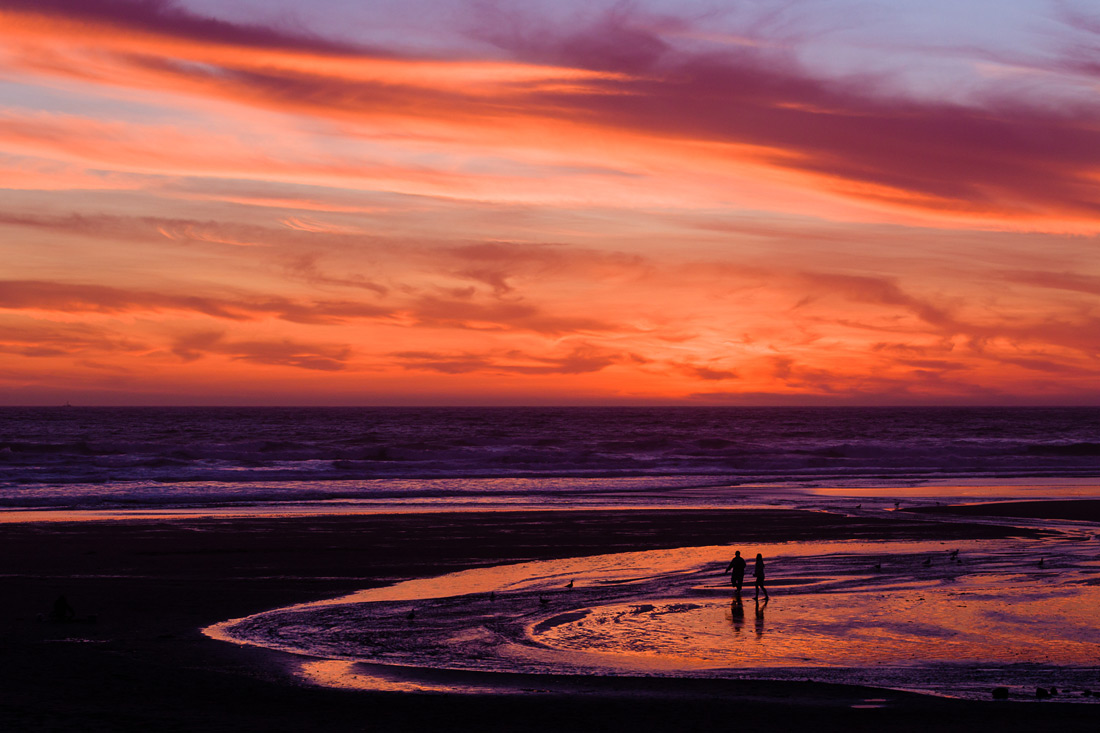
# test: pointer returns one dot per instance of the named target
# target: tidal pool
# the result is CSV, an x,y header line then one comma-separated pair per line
x,y
912,615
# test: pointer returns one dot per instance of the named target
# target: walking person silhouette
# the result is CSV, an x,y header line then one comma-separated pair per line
x,y
758,573
736,569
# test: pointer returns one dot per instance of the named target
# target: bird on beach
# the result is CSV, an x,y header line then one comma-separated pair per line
x,y
1040,562
927,562
878,566
543,600
954,554
492,595
897,504
569,584
858,507
411,615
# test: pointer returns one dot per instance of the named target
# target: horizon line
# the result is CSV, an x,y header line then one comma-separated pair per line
x,y
558,406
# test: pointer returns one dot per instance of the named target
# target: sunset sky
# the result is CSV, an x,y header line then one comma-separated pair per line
x,y
391,202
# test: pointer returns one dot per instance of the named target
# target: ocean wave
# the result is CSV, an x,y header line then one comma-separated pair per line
x,y
183,447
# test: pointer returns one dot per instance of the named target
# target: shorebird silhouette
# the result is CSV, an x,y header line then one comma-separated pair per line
x,y
544,601
858,507
492,596
569,584
954,554
411,615
1040,562
878,566
927,562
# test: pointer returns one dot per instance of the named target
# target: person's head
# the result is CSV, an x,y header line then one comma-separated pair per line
x,y
737,553
759,556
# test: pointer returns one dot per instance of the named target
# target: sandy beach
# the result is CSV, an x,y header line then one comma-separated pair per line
x,y
421,366
152,585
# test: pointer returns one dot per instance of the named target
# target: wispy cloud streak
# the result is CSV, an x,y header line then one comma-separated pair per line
x,y
998,159
554,202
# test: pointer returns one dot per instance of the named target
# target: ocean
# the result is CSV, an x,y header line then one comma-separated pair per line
x,y
100,458
893,612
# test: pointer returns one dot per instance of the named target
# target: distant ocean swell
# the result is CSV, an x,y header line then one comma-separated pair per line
x,y
67,456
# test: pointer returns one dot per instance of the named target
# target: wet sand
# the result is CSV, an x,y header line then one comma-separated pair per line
x,y
143,664
1086,510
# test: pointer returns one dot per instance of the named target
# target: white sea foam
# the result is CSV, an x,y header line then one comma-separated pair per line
x,y
113,457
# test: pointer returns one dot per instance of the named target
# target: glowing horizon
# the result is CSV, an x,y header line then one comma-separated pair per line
x,y
525,203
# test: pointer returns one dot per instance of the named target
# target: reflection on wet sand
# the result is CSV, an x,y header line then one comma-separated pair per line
x,y
758,624
875,609
737,613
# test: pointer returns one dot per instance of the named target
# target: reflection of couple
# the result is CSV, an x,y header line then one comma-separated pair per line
x,y
736,569
737,614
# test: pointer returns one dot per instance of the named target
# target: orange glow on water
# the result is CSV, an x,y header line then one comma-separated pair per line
x,y
969,622
832,605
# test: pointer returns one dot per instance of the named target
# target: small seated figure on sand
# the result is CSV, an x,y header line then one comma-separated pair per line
x,y
736,569
758,573
62,611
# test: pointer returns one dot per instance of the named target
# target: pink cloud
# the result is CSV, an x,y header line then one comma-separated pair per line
x,y
706,373
581,359
281,352
81,298
516,315
1071,281
168,18
33,338
1004,158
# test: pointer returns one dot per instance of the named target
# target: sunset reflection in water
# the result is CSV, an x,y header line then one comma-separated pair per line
x,y
988,619
834,606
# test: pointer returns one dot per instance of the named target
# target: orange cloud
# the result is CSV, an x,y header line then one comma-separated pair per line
x,y
590,215
623,90
580,359
283,352
39,296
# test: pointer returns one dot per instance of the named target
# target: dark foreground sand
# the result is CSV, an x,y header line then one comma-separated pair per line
x,y
143,665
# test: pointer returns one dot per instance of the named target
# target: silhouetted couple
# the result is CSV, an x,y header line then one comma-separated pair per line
x,y
736,569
